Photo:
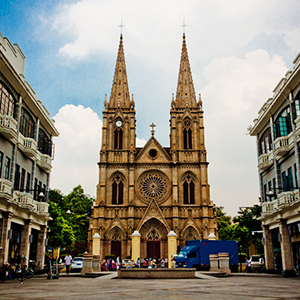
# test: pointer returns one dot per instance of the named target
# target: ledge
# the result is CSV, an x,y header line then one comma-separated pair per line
x,y
156,273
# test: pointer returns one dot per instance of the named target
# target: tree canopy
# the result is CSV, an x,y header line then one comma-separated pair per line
x,y
68,228
241,228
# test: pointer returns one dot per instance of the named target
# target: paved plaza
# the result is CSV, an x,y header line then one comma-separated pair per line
x,y
259,286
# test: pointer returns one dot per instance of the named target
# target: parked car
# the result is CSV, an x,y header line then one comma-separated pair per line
x,y
257,263
128,263
77,263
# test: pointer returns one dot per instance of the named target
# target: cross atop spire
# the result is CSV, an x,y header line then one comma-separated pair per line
x,y
153,126
121,26
183,25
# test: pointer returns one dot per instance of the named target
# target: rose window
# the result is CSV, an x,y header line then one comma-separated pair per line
x,y
154,184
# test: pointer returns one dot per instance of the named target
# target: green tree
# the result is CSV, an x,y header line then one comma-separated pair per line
x,y
240,228
66,229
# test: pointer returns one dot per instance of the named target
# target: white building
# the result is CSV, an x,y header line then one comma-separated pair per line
x,y
26,151
277,129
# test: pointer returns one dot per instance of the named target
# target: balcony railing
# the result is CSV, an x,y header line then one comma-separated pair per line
x,y
265,161
42,208
287,198
27,146
284,200
283,145
5,186
44,161
8,128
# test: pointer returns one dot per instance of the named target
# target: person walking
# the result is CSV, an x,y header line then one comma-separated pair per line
x,y
68,262
248,265
118,263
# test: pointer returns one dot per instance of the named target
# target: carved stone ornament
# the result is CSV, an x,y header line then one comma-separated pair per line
x,y
153,185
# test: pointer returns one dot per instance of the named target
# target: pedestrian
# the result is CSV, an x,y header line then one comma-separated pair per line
x,y
50,261
162,263
118,263
68,262
145,263
137,262
248,265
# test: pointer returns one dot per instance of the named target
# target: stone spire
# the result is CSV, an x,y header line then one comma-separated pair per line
x,y
185,95
120,91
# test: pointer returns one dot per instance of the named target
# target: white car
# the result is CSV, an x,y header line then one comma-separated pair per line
x,y
77,263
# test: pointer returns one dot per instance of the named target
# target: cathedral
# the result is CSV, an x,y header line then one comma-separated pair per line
x,y
151,189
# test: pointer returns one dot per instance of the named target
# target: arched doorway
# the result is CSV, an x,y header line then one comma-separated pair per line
x,y
190,233
116,244
154,239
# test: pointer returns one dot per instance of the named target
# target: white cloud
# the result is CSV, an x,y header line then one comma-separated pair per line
x,y
292,39
76,149
236,90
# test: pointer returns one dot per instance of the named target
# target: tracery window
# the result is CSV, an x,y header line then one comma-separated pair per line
x,y
188,190
282,125
26,124
265,142
118,139
153,235
187,134
44,143
117,190
7,101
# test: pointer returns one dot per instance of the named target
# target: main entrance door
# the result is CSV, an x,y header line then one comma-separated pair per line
x,y
116,248
153,244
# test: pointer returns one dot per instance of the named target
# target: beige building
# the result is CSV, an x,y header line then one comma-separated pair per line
x,y
152,189
26,151
277,129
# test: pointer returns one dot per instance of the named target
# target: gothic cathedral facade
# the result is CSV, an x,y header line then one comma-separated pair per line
x,y
152,189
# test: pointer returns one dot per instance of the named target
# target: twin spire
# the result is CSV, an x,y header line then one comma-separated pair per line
x,y
120,91
185,95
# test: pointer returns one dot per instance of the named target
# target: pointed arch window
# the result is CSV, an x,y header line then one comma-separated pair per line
x,y
187,134
118,139
117,190
188,190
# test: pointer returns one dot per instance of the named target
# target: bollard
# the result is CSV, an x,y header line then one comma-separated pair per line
x,y
224,263
214,263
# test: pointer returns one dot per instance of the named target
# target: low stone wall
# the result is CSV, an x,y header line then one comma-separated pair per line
x,y
156,273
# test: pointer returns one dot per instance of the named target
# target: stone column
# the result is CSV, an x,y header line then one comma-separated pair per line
x,y
40,252
172,246
6,225
214,263
136,245
224,263
268,249
286,250
25,243
96,244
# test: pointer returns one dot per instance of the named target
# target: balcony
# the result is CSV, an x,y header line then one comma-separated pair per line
x,y
44,162
288,198
285,200
269,207
5,188
297,130
28,146
8,128
265,161
283,145
24,200
42,208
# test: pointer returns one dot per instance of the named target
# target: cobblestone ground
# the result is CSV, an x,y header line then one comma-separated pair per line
x,y
73,287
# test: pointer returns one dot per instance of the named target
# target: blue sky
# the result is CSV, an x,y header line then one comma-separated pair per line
x,y
239,51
